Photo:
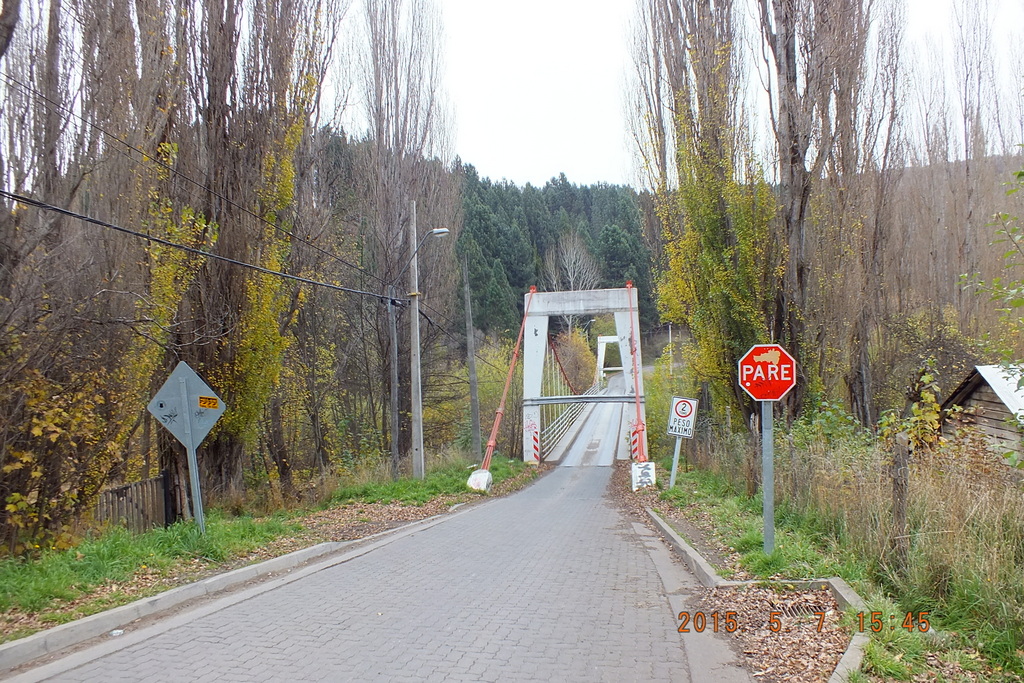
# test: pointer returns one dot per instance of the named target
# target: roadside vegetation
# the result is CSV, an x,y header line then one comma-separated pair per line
x,y
113,567
833,517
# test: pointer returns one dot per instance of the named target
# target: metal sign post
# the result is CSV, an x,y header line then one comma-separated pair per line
x,y
680,424
768,474
767,372
188,408
193,464
675,463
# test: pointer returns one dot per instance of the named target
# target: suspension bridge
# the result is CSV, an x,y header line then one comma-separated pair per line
x,y
552,406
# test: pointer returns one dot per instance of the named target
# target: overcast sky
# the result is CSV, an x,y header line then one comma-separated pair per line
x,y
537,86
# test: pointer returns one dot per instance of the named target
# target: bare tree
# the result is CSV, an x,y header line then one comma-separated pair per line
x,y
402,159
813,49
570,266
9,13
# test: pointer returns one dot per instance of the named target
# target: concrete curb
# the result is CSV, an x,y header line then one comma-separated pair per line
x,y
53,640
845,596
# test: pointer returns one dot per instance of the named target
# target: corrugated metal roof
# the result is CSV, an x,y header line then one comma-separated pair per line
x,y
1004,383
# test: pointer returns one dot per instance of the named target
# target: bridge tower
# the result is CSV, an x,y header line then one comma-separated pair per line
x,y
620,302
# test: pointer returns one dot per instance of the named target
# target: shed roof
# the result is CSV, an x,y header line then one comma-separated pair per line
x,y
1002,380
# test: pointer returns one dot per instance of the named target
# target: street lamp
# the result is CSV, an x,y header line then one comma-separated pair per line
x,y
418,465
586,328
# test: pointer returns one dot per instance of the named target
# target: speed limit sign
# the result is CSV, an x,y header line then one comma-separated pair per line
x,y
682,417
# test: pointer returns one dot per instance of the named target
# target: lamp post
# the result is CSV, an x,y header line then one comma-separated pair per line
x,y
417,404
418,464
393,331
586,328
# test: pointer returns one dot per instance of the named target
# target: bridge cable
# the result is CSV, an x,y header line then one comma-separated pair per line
x,y
492,440
639,427
561,368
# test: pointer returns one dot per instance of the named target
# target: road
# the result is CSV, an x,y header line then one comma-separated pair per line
x,y
598,439
553,583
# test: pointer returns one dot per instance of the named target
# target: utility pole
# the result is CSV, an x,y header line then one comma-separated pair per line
x,y
393,330
474,394
418,465
671,351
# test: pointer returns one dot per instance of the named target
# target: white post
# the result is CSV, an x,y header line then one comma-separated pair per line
x,y
418,464
535,344
474,394
671,351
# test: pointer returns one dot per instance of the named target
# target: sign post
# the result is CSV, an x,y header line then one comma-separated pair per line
x,y
767,372
188,408
680,425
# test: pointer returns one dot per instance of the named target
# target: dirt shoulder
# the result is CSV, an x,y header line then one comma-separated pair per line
x,y
347,522
803,649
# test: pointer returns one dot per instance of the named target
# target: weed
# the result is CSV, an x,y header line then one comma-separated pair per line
x,y
833,517
117,555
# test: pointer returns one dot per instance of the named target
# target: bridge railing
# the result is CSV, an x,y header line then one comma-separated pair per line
x,y
557,428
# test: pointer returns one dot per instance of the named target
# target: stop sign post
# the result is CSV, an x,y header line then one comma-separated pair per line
x,y
767,372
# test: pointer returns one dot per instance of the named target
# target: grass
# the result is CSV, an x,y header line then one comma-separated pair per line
x,y
50,580
801,550
116,555
445,480
967,589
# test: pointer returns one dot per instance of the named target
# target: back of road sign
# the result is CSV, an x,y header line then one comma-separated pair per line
x,y
201,404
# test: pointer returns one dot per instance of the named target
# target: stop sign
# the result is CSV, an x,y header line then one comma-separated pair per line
x,y
767,372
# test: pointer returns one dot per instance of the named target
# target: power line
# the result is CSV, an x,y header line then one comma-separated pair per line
x,y
450,335
199,252
171,169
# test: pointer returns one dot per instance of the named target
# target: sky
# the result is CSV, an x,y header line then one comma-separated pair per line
x,y
537,87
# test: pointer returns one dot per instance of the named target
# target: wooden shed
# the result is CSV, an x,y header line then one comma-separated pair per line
x,y
998,403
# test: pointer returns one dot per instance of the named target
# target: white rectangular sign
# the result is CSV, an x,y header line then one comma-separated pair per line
x,y
682,417
643,474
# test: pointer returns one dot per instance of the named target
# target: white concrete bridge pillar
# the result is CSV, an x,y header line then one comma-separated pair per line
x,y
535,345
620,302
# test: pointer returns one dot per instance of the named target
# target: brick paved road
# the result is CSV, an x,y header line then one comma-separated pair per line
x,y
551,584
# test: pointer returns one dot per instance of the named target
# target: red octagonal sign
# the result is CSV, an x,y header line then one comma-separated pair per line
x,y
767,372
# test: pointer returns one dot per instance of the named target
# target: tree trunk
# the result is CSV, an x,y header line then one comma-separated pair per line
x,y
8,21
279,449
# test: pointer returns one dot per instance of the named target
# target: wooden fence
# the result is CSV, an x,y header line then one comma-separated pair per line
x,y
139,506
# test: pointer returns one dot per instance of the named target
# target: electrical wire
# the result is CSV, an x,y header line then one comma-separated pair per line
x,y
451,336
170,169
146,156
192,250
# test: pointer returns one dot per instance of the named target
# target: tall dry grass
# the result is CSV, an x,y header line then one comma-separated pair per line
x,y
965,517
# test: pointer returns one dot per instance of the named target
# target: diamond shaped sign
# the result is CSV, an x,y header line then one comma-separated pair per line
x,y
185,396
